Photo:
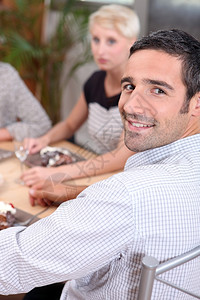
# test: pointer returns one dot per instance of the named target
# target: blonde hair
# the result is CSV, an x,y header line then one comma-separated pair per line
x,y
118,17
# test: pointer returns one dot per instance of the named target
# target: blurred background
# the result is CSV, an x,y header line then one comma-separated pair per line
x,y
47,42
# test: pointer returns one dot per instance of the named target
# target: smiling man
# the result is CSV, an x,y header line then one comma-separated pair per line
x,y
154,102
96,242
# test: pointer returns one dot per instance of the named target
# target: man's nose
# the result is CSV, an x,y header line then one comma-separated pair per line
x,y
135,103
139,103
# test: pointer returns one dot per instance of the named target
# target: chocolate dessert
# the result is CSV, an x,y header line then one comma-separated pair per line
x,y
7,215
52,157
55,158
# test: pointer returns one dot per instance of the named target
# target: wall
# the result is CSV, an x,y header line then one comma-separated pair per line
x,y
72,90
181,14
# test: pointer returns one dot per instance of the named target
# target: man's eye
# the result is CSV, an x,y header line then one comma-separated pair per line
x,y
158,91
128,87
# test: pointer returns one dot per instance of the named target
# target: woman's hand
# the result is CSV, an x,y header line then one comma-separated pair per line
x,y
34,175
35,145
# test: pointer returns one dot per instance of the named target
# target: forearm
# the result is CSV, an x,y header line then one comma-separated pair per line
x,y
23,129
108,162
68,127
5,135
45,195
59,132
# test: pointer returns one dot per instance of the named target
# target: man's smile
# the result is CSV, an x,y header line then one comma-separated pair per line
x,y
140,125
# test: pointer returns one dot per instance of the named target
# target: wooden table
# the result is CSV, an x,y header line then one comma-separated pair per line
x,y
18,194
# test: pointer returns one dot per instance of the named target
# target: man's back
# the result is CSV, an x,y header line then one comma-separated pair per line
x,y
159,195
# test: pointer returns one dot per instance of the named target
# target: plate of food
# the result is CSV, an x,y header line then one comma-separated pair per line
x,y
52,157
11,216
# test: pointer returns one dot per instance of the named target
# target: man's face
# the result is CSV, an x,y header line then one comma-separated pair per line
x,y
152,97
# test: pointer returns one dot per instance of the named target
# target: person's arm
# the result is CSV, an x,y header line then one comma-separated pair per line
x,y
47,193
5,135
62,130
30,117
108,162
80,237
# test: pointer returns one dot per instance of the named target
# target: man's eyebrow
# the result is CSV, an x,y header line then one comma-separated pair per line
x,y
127,79
159,82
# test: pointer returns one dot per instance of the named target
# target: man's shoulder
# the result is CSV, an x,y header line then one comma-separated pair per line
x,y
170,171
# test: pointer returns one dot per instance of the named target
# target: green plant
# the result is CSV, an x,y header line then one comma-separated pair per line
x,y
40,59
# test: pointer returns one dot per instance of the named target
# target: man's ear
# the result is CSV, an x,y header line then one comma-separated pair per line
x,y
196,110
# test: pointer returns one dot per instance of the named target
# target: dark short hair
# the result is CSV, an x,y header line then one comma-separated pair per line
x,y
182,45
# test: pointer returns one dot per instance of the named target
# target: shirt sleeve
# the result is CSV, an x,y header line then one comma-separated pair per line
x,y
80,237
32,121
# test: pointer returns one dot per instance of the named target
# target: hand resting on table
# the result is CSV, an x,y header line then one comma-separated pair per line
x,y
51,193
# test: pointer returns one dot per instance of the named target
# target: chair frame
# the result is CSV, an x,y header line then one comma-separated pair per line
x,y
151,269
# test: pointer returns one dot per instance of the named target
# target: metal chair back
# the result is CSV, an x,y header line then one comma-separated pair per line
x,y
151,269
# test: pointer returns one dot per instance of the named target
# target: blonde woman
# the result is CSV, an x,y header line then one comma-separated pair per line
x,y
113,29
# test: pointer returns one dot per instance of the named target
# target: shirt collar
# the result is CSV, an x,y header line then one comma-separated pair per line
x,y
153,156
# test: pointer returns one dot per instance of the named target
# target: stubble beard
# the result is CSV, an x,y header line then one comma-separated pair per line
x,y
136,142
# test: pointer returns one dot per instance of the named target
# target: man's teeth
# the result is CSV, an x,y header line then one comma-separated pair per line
x,y
140,125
